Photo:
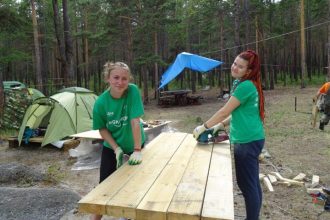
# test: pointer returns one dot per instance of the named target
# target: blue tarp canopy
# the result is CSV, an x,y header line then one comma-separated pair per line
x,y
187,60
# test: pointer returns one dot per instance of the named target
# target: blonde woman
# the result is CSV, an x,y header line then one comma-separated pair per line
x,y
116,115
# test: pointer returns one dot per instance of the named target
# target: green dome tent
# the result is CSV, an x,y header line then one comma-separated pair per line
x,y
63,114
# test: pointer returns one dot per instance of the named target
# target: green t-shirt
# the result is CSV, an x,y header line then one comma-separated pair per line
x,y
116,115
246,124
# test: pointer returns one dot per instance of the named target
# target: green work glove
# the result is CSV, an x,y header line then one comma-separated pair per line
x,y
198,131
119,157
135,158
218,127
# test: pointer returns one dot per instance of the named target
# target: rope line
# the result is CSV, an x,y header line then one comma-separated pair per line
x,y
266,39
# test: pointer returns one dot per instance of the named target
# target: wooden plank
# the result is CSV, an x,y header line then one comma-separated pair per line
x,y
272,178
126,200
96,200
292,182
299,177
219,200
156,202
315,181
188,199
32,139
268,184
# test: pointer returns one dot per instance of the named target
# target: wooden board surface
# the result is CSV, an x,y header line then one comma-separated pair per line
x,y
128,198
219,200
178,179
156,202
188,199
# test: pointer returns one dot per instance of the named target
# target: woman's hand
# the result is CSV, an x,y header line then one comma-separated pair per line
x,y
198,131
218,127
119,157
135,158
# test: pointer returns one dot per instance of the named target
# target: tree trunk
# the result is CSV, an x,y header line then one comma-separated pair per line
x,y
246,17
145,84
44,48
303,44
61,58
2,97
257,34
328,72
68,41
156,65
221,81
86,55
237,27
37,48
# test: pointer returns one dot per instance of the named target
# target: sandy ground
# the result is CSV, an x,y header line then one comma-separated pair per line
x,y
294,146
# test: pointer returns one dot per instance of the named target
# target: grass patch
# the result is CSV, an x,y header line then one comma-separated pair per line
x,y
54,173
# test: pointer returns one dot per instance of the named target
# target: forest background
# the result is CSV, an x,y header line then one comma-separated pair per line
x,y
48,44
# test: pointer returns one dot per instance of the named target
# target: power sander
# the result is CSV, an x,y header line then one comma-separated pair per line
x,y
209,137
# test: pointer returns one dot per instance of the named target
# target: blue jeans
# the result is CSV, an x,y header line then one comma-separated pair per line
x,y
247,175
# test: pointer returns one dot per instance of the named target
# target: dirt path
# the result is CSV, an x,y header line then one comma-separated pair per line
x,y
295,147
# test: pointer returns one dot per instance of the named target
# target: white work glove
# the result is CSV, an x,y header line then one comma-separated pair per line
x,y
135,158
198,131
218,127
119,157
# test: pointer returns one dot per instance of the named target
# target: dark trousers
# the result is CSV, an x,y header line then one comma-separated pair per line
x,y
247,175
108,162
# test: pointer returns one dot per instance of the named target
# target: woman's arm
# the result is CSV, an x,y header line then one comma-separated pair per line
x,y
223,115
106,135
136,129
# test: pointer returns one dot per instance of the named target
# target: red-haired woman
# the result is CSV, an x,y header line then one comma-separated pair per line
x,y
244,112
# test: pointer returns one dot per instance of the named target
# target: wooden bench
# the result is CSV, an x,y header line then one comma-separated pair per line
x,y
177,180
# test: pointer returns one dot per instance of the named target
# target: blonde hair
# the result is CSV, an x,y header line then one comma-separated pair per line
x,y
109,66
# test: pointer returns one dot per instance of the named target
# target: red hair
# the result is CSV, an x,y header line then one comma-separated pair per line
x,y
254,75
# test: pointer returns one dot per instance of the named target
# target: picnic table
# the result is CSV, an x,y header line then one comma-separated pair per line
x,y
178,179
